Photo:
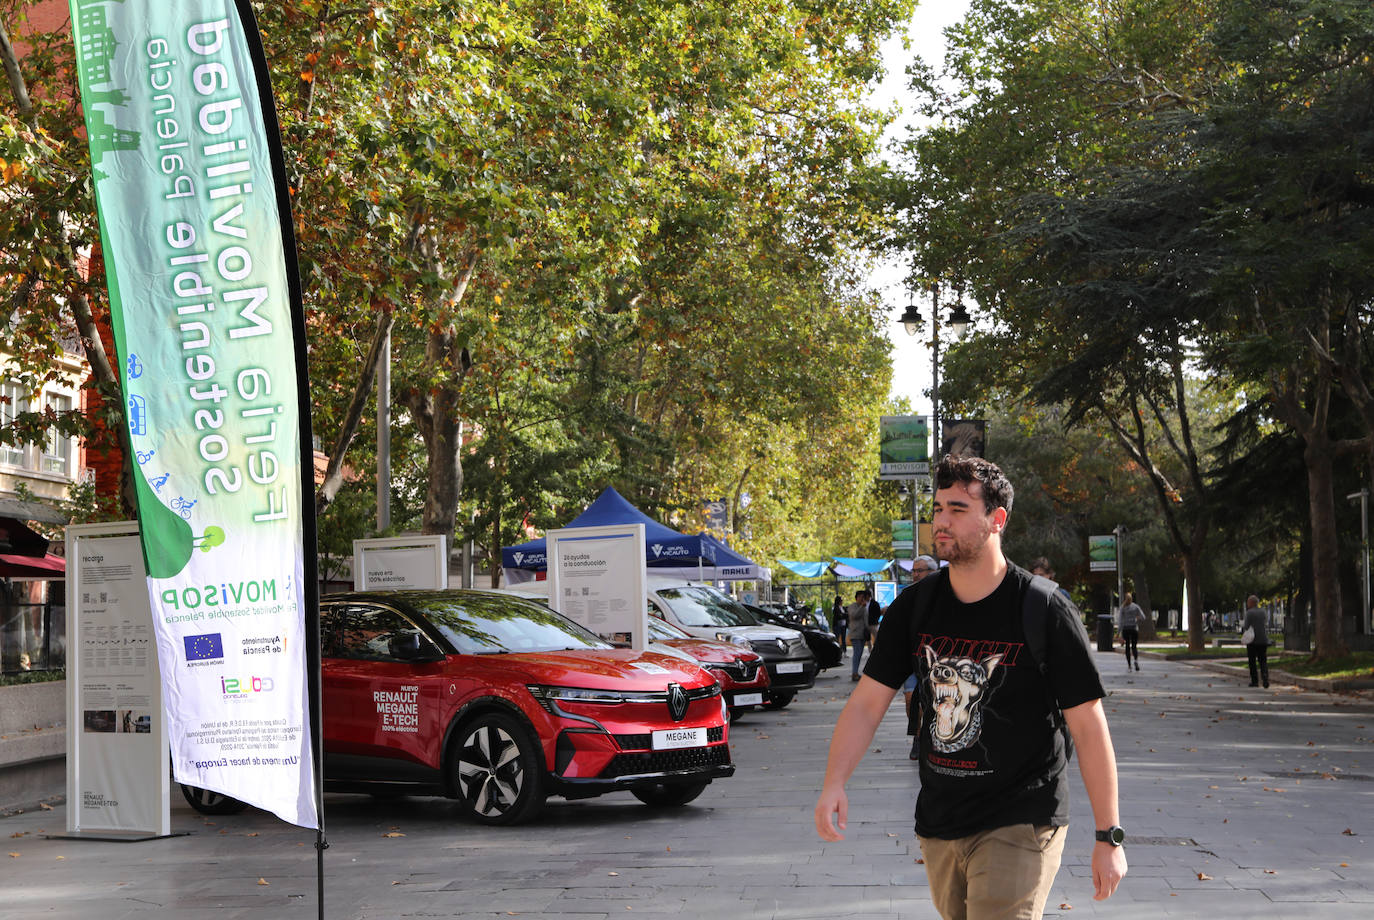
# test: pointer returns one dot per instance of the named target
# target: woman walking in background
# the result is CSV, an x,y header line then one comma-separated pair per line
x,y
1257,645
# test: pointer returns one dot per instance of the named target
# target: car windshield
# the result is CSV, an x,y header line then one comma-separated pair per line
x,y
700,606
490,624
660,630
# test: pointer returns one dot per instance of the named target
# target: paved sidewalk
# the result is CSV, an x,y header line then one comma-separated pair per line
x,y
1238,803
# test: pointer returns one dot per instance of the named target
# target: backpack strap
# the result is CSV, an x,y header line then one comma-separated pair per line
x,y
923,599
923,605
1035,623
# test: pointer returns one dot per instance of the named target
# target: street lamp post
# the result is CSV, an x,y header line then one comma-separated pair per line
x,y
915,522
958,320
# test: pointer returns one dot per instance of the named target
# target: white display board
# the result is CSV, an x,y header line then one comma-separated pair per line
x,y
418,561
597,577
117,756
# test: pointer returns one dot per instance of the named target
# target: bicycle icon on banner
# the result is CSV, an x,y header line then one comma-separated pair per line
x,y
183,507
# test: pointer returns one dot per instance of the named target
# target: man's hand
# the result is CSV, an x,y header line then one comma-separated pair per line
x,y
868,703
830,806
1109,866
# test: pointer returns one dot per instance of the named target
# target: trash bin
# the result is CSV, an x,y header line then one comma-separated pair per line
x,y
1104,633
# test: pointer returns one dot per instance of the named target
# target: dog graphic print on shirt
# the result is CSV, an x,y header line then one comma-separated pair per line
x,y
959,688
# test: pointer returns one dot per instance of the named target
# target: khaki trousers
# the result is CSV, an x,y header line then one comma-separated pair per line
x,y
1001,874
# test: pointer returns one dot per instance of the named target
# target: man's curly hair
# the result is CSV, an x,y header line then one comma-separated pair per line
x,y
997,490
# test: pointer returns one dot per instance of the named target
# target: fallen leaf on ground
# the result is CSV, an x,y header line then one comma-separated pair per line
x,y
393,834
1066,906
1348,832
44,806
18,834
263,881
1203,877
14,856
920,861
612,873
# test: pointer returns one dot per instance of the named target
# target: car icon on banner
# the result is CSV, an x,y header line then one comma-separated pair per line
x,y
138,415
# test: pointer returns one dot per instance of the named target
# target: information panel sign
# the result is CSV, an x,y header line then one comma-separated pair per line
x,y
117,769
418,561
597,577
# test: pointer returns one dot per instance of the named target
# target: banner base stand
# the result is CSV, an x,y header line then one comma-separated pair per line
x,y
115,836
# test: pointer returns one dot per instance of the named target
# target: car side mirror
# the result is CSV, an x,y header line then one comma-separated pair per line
x,y
411,647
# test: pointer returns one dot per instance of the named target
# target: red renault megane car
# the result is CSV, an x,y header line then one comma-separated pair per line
x,y
499,702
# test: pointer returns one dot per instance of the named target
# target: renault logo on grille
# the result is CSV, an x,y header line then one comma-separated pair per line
x,y
677,702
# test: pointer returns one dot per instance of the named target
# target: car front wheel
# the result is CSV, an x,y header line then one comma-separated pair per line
x,y
668,795
498,774
209,802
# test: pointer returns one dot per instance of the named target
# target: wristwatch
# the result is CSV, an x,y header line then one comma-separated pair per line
x,y
1113,835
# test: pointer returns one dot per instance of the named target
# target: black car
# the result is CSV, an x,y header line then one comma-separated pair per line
x,y
822,642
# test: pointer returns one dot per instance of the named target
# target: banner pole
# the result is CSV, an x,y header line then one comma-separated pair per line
x,y
310,589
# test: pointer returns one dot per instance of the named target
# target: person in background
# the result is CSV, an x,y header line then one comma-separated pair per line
x,y
839,623
921,567
857,613
875,614
1132,618
1257,649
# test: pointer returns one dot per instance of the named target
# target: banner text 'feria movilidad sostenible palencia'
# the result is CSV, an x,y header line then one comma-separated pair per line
x,y
202,317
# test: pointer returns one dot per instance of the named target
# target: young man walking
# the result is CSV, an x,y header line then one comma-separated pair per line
x,y
992,811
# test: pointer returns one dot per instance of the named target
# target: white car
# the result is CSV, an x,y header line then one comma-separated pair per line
x,y
704,611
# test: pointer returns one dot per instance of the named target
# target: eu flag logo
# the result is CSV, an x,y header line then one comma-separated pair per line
x,y
203,648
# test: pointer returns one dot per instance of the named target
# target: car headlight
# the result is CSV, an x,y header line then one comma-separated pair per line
x,y
733,639
547,696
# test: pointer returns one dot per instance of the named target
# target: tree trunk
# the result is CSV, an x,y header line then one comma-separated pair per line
x,y
1142,597
1326,626
367,375
443,439
436,413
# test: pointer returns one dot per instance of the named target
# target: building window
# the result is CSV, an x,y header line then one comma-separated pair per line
x,y
13,401
57,448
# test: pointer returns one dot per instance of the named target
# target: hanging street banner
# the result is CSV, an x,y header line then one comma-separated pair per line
x,y
902,535
903,446
1102,552
200,263
963,437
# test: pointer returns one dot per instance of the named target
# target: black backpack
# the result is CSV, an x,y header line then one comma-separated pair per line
x,y
1035,623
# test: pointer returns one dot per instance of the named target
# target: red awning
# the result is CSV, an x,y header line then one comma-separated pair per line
x,y
16,566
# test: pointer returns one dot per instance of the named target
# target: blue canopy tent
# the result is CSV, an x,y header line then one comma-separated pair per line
x,y
848,567
706,557
805,569
725,563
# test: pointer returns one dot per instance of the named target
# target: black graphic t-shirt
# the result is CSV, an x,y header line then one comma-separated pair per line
x,y
990,753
